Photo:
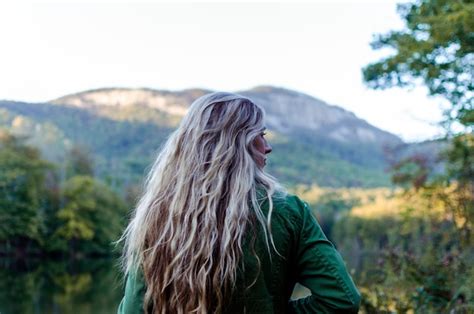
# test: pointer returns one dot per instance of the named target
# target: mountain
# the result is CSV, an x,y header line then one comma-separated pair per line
x,y
313,142
289,112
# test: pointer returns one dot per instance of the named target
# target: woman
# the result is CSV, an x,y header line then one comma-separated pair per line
x,y
214,233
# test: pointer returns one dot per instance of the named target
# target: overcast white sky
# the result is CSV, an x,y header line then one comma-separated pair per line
x,y
52,49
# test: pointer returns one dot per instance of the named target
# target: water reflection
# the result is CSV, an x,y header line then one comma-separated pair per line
x,y
38,286
95,285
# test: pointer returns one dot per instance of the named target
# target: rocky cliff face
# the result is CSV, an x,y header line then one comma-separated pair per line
x,y
173,103
290,111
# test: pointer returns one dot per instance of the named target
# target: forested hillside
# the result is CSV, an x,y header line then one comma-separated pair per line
x,y
314,143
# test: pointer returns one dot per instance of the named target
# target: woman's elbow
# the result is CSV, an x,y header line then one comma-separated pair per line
x,y
354,304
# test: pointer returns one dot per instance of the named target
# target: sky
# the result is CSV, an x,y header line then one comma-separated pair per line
x,y
50,49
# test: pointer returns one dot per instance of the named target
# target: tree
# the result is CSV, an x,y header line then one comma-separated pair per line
x,y
79,162
436,49
23,197
90,219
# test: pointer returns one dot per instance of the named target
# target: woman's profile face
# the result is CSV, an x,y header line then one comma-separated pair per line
x,y
263,148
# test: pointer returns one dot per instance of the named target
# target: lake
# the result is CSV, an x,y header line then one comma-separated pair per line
x,y
61,287
88,286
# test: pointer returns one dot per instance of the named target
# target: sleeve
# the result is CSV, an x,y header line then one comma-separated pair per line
x,y
321,269
132,301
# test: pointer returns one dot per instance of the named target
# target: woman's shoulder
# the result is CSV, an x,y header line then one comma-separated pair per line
x,y
289,206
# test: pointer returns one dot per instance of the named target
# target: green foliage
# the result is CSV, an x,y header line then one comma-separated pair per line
x,y
412,170
333,204
419,261
330,206
91,217
15,289
37,212
79,162
122,148
430,246
461,158
460,170
436,48
325,164
22,192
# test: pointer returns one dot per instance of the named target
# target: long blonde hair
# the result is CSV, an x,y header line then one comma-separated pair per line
x,y
201,196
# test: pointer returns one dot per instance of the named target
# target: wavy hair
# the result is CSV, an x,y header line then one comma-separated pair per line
x,y
201,196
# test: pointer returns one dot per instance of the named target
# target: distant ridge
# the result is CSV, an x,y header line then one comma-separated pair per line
x,y
287,111
313,142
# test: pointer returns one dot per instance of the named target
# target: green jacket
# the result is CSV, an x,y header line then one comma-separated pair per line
x,y
305,256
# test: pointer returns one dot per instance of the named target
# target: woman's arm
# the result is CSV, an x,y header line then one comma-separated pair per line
x,y
321,269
